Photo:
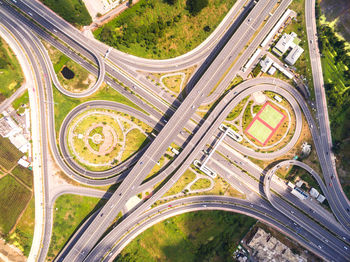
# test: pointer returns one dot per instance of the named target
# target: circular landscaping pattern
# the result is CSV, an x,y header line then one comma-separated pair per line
x,y
264,120
99,139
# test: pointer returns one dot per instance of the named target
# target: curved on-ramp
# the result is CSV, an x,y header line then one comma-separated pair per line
x,y
279,205
124,233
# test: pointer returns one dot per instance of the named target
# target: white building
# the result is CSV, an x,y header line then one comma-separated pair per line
x,y
294,55
321,198
314,193
19,141
285,42
23,162
272,70
266,63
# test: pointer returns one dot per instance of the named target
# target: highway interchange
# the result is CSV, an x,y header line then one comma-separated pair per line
x,y
219,59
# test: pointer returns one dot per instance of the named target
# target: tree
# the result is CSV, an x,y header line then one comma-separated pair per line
x,y
195,6
130,3
170,2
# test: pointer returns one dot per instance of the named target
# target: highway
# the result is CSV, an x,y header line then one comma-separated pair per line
x,y
52,22
341,207
209,126
197,203
172,128
220,66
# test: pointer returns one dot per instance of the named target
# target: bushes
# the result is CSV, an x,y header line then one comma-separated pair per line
x,y
195,6
73,11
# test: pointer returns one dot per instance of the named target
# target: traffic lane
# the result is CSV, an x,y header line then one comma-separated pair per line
x,y
296,214
155,150
196,204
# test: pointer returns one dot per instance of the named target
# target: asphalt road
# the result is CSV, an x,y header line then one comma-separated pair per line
x,y
211,69
201,89
341,207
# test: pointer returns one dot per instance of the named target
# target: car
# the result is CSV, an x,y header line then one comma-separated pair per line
x,y
330,184
332,177
169,205
101,215
345,248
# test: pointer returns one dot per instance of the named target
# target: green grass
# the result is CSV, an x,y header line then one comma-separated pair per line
x,y
332,71
247,115
156,29
22,237
259,131
73,11
196,236
24,174
237,110
271,116
184,180
82,78
135,140
11,75
201,183
22,100
69,213
9,154
13,199
65,104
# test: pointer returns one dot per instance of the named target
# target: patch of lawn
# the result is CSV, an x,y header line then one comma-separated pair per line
x,y
184,238
69,212
184,180
201,183
237,110
9,154
13,199
271,116
73,11
23,234
11,75
22,100
23,174
159,29
135,140
81,79
173,83
65,104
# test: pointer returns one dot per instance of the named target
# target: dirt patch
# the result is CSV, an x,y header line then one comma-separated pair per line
x,y
9,253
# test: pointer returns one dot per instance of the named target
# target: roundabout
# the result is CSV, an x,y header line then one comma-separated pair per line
x,y
96,138
101,139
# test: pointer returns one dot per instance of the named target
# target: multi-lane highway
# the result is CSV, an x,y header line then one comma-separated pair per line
x,y
220,58
342,204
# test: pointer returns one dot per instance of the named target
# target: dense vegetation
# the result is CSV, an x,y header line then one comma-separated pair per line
x,y
11,76
73,11
336,71
197,236
163,28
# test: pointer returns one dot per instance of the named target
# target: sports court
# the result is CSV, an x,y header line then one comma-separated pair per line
x,y
265,123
